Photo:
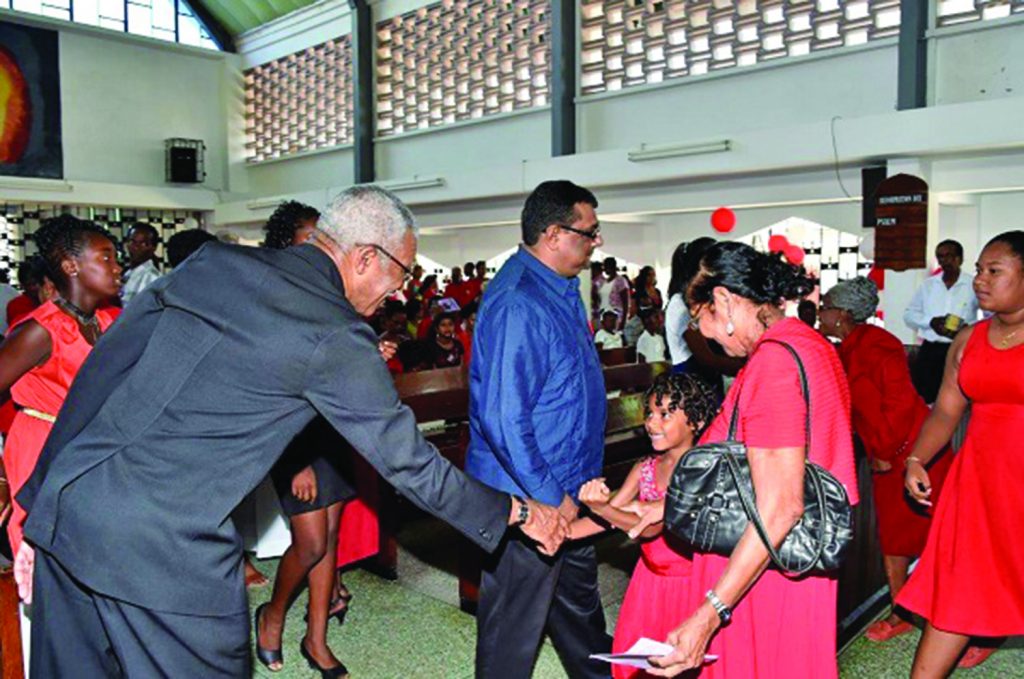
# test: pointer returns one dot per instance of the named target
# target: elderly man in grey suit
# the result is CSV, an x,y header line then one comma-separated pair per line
x,y
183,407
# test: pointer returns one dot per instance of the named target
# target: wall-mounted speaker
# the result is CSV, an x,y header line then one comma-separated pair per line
x,y
870,179
184,161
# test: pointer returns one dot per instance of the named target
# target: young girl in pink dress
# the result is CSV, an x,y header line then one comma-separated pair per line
x,y
678,408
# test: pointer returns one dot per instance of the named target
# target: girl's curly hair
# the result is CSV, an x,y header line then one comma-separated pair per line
x,y
690,393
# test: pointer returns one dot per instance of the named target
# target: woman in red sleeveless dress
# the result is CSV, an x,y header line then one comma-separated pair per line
x,y
44,350
887,415
970,580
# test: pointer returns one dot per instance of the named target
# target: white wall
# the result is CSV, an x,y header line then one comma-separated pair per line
x,y
120,100
471,148
846,83
121,97
984,61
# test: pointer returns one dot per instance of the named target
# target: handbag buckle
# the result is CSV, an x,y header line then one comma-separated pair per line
x,y
717,502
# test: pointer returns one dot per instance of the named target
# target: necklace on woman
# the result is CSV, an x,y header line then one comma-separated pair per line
x,y
84,319
1005,340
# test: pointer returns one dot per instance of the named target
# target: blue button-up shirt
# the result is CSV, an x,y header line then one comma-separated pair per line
x,y
537,397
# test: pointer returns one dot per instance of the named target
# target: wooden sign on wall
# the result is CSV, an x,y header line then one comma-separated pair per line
x,y
901,223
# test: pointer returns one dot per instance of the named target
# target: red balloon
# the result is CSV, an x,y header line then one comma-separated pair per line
x,y
723,220
795,254
778,243
878,277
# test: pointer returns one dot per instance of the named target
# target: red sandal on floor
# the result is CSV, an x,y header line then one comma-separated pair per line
x,y
974,656
883,630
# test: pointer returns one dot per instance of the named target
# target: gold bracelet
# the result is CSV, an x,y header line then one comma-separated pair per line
x,y
911,458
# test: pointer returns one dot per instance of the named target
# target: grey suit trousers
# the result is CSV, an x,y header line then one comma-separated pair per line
x,y
79,633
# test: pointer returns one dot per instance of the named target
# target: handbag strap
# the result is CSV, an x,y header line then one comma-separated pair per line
x,y
805,391
746,499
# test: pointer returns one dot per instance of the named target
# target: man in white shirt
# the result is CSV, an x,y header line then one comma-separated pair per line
x,y
650,348
142,270
941,307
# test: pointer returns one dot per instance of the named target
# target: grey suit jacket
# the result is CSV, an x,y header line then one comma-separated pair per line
x,y
185,404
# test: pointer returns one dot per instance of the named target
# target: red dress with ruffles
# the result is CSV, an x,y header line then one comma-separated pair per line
x,y
970,579
887,416
783,628
659,589
43,390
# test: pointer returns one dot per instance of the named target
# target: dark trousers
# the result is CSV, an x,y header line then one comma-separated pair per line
x,y
522,594
79,633
928,369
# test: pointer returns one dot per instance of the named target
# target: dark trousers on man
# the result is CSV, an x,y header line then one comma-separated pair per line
x,y
523,594
77,632
928,368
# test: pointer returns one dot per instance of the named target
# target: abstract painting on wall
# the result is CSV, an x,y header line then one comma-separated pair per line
x,y
30,138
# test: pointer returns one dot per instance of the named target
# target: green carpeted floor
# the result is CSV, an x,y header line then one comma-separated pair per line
x,y
413,628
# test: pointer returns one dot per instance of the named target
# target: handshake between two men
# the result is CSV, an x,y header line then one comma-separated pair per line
x,y
550,526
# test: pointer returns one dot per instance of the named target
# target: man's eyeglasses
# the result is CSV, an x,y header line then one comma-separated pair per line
x,y
406,270
408,275
591,235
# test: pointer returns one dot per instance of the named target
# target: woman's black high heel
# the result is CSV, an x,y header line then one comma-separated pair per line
x,y
265,655
336,672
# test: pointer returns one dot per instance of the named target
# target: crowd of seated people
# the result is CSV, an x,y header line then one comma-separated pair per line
x,y
432,329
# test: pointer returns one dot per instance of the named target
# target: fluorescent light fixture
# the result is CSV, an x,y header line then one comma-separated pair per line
x,y
416,182
659,151
264,203
19,184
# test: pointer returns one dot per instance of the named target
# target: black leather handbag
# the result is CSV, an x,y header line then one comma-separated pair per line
x,y
710,500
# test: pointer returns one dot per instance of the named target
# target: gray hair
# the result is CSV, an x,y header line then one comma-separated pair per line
x,y
367,215
857,295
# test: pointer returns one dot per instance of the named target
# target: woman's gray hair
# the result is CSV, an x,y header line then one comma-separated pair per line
x,y
857,295
367,215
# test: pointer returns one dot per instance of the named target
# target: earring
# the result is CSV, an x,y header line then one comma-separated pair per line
x,y
838,324
730,328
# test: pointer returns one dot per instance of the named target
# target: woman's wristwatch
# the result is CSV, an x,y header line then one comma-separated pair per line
x,y
724,612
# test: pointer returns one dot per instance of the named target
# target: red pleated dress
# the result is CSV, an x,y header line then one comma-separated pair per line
x,y
39,395
887,416
970,579
783,628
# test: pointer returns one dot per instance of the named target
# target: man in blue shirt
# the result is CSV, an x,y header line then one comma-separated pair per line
x,y
537,417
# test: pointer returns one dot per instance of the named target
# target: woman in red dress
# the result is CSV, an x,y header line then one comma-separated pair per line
x,y
887,416
44,350
970,580
781,627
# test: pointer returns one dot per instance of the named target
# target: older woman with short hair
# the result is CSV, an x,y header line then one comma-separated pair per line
x,y
780,627
887,416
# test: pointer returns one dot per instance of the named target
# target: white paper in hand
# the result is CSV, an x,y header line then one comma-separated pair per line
x,y
639,652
